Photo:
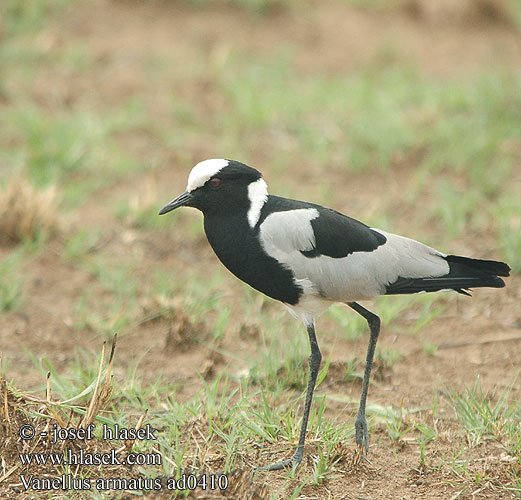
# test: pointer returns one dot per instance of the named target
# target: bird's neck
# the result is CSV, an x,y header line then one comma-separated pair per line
x,y
232,240
228,235
237,246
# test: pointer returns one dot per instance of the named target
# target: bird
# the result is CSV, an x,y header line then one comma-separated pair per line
x,y
309,257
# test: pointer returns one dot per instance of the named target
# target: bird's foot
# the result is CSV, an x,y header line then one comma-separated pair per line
x,y
292,462
361,432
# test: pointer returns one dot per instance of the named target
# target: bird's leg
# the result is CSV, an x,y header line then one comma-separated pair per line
x,y
314,364
361,432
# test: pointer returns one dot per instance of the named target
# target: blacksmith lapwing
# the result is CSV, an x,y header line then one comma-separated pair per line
x,y
310,257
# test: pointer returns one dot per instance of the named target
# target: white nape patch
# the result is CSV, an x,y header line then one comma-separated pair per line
x,y
204,171
289,232
258,195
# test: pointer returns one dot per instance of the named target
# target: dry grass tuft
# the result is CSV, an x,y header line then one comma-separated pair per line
x,y
42,415
27,212
242,486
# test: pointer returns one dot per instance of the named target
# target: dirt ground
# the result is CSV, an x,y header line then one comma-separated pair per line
x,y
474,332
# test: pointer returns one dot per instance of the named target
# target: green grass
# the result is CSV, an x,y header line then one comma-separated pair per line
x,y
507,214
73,149
375,4
197,298
20,17
229,422
105,318
371,118
515,10
397,427
81,244
489,415
110,304
456,209
258,7
281,365
375,118
139,213
11,283
426,308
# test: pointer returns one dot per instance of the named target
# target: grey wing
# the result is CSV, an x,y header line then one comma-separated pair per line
x,y
291,238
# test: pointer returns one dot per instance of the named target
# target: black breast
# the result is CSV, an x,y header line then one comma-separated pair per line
x,y
238,248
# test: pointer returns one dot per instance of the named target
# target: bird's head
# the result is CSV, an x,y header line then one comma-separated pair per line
x,y
221,187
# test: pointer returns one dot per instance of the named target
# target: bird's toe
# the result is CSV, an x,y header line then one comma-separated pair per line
x,y
362,432
292,462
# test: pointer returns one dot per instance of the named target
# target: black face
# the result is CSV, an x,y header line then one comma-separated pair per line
x,y
223,194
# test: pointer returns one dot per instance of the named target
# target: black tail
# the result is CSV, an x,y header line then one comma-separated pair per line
x,y
464,273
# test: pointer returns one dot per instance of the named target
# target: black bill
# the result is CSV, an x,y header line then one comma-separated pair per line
x,y
181,200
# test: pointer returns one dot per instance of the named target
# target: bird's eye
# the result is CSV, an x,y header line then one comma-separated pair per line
x,y
215,182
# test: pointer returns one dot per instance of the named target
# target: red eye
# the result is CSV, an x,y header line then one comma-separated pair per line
x,y
214,182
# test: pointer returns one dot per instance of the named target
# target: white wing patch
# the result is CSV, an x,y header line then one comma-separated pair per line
x,y
204,171
258,195
285,234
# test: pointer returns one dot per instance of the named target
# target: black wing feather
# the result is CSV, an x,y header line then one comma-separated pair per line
x,y
464,273
337,235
